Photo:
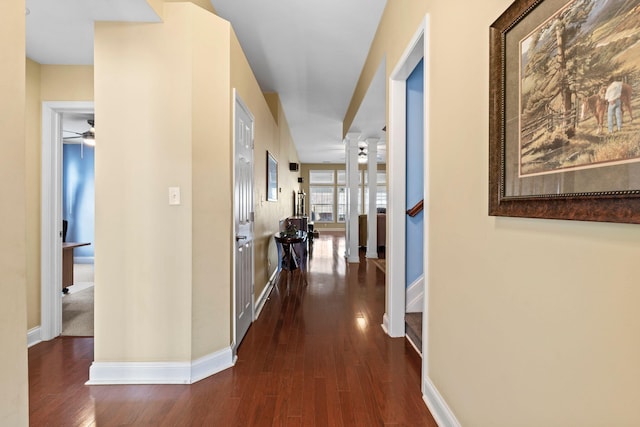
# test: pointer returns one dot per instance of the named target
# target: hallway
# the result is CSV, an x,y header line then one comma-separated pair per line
x,y
316,356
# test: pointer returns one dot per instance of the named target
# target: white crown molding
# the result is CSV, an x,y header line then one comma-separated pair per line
x,y
109,373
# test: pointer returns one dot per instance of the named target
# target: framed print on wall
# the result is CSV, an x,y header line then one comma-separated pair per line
x,y
564,89
272,178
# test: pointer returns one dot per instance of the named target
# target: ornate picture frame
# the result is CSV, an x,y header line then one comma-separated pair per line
x,y
556,66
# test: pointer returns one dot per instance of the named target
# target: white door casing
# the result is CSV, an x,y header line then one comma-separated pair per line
x,y
51,214
243,212
393,321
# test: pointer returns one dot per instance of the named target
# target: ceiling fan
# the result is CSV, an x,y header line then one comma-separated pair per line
x,y
362,155
88,137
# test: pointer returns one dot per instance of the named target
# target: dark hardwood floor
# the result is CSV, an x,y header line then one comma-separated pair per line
x,y
316,356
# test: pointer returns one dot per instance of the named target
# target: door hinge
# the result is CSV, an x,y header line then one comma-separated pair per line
x,y
252,216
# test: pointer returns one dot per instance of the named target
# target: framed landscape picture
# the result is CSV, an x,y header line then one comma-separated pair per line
x,y
564,90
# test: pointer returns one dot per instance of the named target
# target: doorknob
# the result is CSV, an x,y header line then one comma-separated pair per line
x,y
238,237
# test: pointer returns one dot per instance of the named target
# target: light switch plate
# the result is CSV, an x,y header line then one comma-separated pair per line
x,y
174,195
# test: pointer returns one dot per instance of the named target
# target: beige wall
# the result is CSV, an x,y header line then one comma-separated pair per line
x,y
66,82
44,83
212,188
14,404
143,246
271,133
531,322
158,5
205,4
33,169
164,105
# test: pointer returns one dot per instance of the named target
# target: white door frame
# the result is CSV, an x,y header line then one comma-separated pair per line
x,y
51,214
237,100
393,321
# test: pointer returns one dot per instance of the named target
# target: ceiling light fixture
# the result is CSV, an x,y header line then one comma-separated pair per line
x,y
89,137
362,155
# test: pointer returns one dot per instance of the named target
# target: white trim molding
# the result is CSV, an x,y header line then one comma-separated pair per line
x,y
212,364
372,217
396,175
110,373
33,336
415,296
385,323
264,296
437,406
51,213
352,198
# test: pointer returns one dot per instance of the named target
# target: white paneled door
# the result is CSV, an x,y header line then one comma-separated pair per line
x,y
243,207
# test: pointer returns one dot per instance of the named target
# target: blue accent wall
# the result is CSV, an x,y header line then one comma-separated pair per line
x,y
78,197
414,248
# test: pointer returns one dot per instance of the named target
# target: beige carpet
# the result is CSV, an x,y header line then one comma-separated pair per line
x,y
77,313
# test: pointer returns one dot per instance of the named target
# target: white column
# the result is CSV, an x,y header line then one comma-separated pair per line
x,y
372,214
347,228
352,211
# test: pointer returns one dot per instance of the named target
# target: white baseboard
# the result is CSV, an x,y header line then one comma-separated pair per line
x,y
83,260
34,336
212,364
437,406
385,323
353,259
103,373
108,373
415,296
264,296
415,347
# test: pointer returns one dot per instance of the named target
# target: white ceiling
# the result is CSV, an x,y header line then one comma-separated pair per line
x,y
310,52
61,31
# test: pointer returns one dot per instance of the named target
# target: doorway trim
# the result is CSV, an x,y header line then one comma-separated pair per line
x,y
416,50
51,213
394,320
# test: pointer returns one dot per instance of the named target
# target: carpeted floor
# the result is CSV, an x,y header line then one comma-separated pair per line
x,y
77,305
77,313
